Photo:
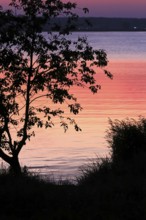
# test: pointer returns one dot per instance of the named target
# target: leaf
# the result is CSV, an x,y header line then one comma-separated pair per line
x,y
64,125
49,124
86,10
77,128
75,108
109,74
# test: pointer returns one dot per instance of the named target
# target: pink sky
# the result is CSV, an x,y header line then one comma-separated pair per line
x,y
115,8
110,8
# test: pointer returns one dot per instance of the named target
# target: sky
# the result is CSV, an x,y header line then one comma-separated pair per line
x,y
109,8
115,8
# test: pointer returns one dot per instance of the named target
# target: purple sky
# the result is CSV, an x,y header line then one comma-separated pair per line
x,y
109,8
115,8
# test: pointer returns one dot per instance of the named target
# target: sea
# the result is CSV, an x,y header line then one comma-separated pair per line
x,y
61,155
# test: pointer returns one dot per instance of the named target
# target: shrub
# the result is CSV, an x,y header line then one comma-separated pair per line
x,y
94,172
126,138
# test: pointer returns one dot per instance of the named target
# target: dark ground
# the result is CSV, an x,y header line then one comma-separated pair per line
x,y
102,192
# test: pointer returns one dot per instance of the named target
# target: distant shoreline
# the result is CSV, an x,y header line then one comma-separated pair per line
x,y
102,24
96,24
108,31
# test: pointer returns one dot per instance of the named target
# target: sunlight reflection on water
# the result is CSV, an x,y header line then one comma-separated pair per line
x,y
53,151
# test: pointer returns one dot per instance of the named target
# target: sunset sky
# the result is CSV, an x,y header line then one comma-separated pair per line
x,y
110,8
115,8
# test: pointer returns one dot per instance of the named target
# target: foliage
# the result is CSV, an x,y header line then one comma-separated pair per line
x,y
103,191
106,194
95,171
126,138
36,65
115,188
127,142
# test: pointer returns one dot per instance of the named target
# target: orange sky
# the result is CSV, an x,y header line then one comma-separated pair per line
x,y
110,8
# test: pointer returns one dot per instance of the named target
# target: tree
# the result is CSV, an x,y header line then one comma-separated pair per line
x,y
33,66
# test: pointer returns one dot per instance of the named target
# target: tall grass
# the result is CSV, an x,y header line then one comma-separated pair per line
x,y
127,142
108,189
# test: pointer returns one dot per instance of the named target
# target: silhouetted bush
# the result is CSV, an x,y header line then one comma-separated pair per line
x,y
111,188
127,142
115,188
126,138
94,172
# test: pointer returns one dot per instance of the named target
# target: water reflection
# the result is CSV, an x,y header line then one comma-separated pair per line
x,y
62,153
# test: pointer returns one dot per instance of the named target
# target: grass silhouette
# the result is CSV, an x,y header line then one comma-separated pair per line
x,y
110,189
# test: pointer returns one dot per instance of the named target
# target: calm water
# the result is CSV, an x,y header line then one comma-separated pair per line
x,y
59,153
126,46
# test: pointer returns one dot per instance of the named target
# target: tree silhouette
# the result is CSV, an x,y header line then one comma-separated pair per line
x,y
35,65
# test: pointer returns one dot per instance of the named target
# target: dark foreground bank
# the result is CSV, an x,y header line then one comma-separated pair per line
x,y
103,192
113,189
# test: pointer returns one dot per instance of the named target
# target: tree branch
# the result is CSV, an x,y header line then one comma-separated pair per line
x,y
5,157
39,97
24,138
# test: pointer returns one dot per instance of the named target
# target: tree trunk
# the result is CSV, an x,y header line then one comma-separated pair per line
x,y
15,167
13,161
